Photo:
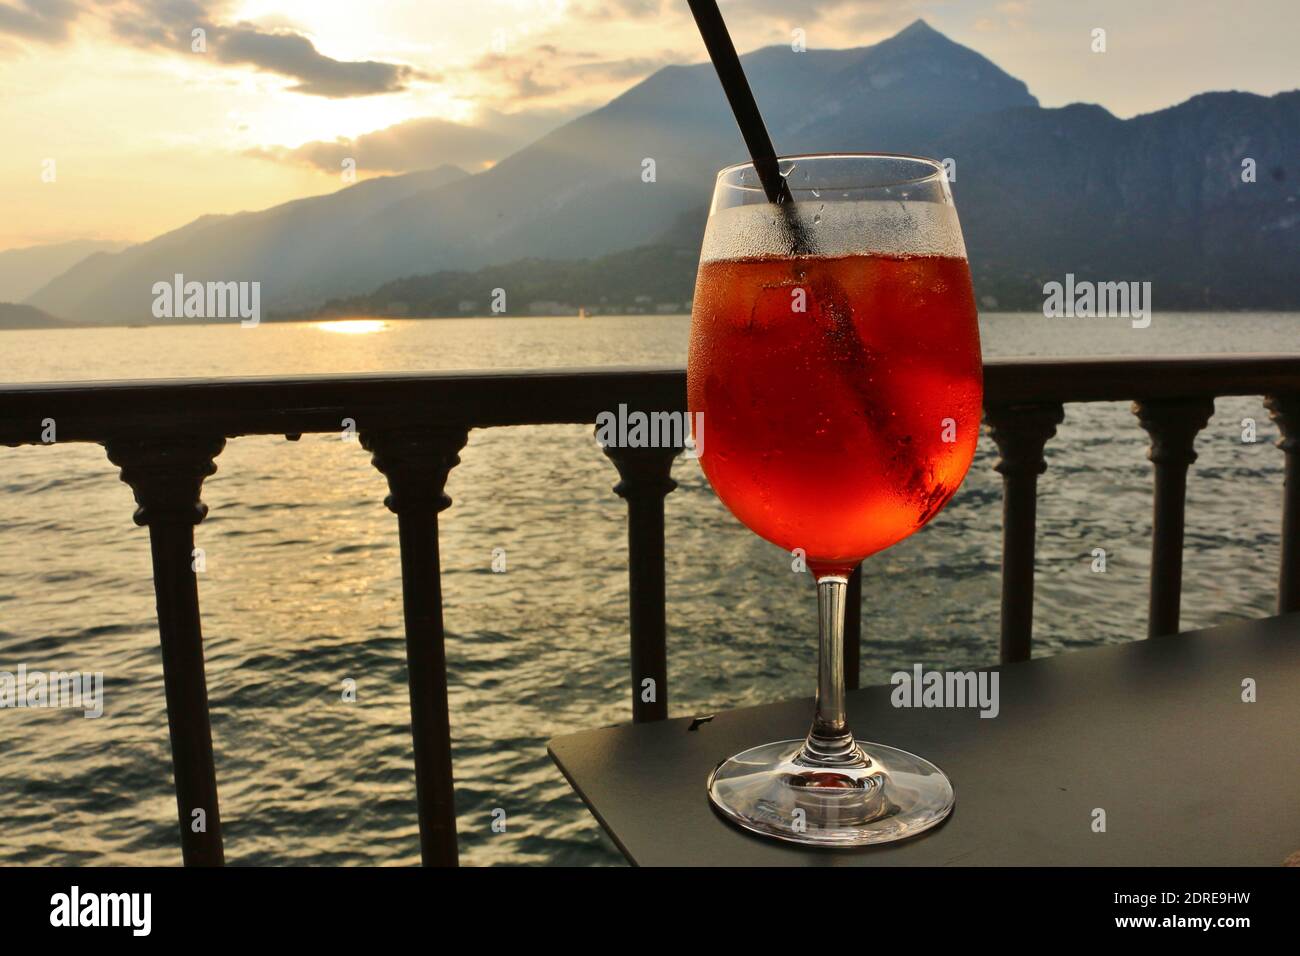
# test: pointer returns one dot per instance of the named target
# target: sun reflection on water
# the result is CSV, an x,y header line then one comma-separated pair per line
x,y
353,326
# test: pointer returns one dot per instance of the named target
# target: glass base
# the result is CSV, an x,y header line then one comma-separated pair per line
x,y
888,795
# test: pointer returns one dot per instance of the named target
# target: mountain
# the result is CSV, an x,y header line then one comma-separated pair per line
x,y
1159,197
280,247
14,316
579,191
576,192
23,271
659,277
1041,191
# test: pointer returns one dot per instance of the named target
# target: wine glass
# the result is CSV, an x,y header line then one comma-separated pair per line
x,y
835,359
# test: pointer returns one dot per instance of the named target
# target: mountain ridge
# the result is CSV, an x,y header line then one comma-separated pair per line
x,y
24,270
1040,190
80,290
16,316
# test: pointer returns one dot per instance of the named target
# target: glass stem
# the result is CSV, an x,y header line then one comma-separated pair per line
x,y
830,743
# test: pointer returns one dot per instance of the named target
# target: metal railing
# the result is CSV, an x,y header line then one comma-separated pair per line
x,y
166,435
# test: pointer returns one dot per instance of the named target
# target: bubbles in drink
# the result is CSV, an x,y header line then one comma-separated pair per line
x,y
843,393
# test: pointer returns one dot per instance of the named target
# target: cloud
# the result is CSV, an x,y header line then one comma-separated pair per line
x,y
620,9
426,143
839,23
626,69
841,20
168,25
546,69
519,72
293,55
48,21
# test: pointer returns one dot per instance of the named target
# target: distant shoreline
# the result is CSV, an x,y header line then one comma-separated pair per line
x,y
62,326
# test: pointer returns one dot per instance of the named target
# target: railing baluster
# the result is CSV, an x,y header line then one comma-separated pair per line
x,y
166,475
1285,410
1172,425
853,631
646,481
416,462
1020,432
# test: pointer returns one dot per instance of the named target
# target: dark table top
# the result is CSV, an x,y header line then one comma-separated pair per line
x,y
1154,732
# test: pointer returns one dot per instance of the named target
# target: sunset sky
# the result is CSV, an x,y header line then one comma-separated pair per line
x,y
146,134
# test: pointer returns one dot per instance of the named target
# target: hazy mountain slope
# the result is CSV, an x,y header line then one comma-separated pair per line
x,y
23,271
14,316
275,246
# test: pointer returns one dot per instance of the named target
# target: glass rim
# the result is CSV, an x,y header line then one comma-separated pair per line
x,y
935,166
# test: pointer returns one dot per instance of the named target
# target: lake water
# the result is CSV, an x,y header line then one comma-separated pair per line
x,y
302,589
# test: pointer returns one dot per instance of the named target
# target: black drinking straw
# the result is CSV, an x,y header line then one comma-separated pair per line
x,y
723,54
